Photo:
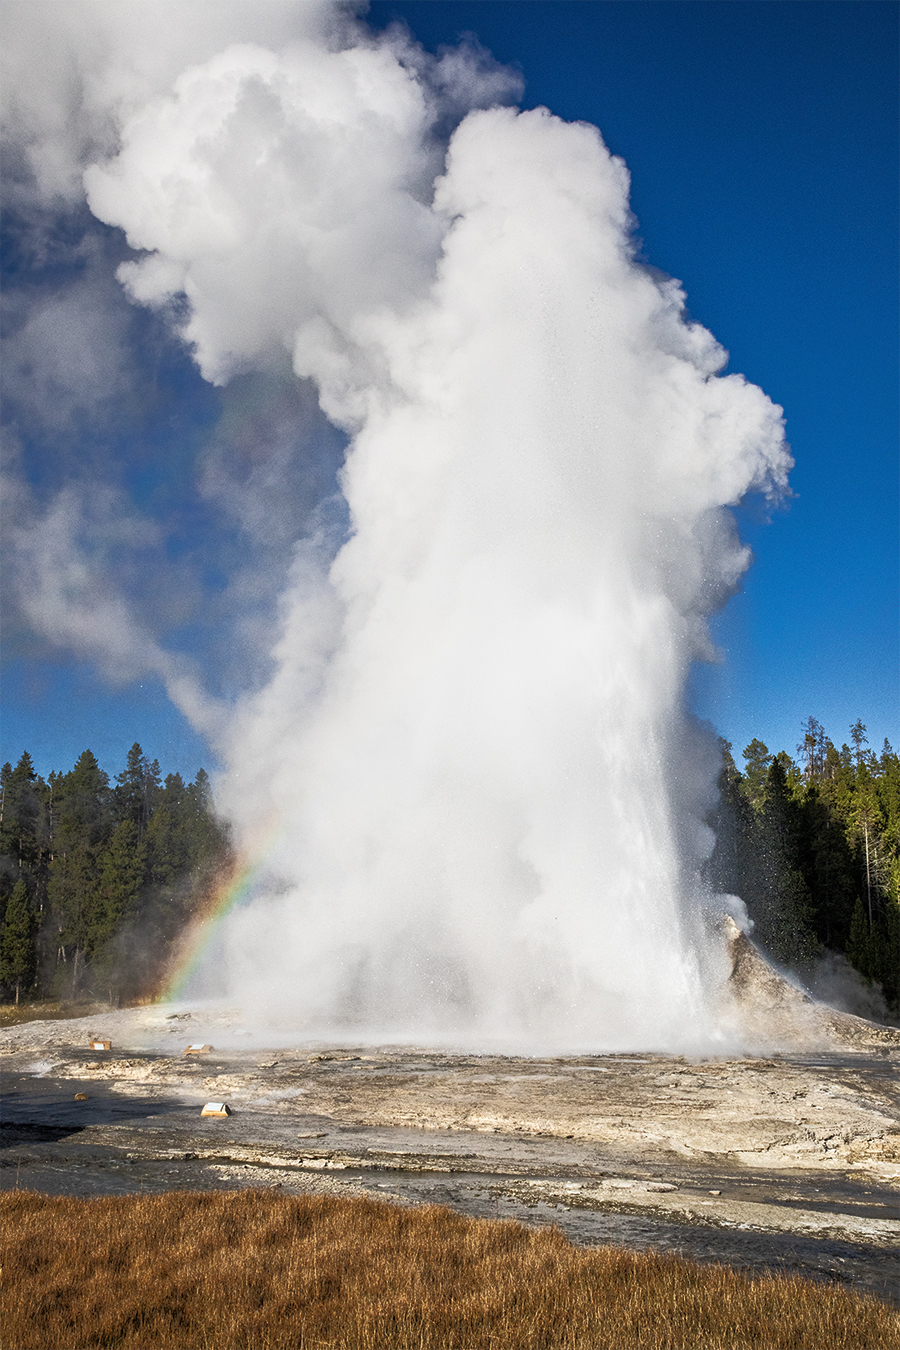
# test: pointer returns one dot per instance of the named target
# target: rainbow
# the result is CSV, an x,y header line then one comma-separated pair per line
x,y
231,888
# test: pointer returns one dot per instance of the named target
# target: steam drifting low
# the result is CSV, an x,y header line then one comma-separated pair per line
x,y
473,753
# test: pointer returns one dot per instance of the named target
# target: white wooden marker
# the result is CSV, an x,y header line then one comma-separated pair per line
x,y
198,1049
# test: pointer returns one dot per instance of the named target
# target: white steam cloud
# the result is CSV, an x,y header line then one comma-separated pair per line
x,y
473,755
62,575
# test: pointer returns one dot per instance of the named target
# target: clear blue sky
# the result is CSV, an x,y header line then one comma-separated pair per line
x,y
762,142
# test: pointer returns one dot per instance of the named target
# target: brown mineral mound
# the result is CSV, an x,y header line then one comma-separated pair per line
x,y
773,1010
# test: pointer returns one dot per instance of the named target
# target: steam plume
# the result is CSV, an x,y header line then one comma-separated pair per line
x,y
488,793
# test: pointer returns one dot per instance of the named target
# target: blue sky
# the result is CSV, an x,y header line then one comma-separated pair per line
x,y
762,144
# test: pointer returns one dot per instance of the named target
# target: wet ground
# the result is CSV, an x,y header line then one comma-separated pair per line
x,y
785,1163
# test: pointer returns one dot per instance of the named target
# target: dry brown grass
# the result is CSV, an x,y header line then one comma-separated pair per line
x,y
252,1270
14,1014
60,1010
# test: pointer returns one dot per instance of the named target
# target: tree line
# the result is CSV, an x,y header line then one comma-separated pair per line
x,y
812,847
98,879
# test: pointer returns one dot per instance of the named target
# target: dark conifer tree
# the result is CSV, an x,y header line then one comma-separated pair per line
x,y
17,944
83,826
812,748
122,875
859,739
168,835
785,912
119,889
757,759
22,824
136,790
828,864
859,945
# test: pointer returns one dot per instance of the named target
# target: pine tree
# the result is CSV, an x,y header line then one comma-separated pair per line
x,y
812,748
185,843
83,826
859,739
137,788
829,865
732,823
859,946
787,917
168,835
17,947
868,823
122,877
757,759
22,821
208,837
111,875
122,874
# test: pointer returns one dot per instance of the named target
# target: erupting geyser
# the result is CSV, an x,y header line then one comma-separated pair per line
x,y
473,756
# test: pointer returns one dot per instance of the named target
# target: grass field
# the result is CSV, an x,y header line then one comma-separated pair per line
x,y
253,1270
14,1014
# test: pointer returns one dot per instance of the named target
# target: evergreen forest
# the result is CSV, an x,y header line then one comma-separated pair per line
x,y
98,880
812,847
